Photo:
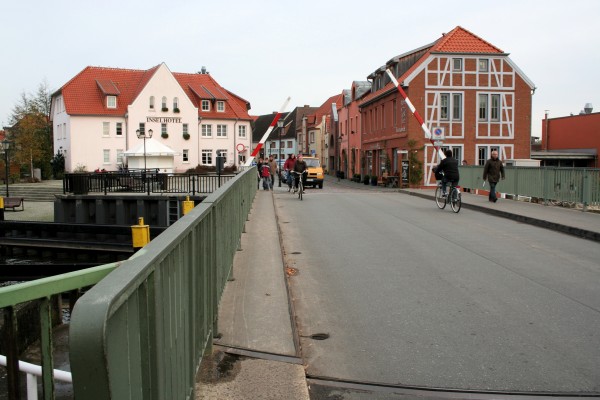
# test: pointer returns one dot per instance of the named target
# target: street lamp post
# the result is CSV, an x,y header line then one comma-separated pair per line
x,y
280,125
141,134
6,144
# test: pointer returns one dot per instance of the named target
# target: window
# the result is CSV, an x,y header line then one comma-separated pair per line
x,y
163,129
444,105
311,137
457,64
222,153
111,101
175,103
164,103
394,114
206,130
483,107
106,156
151,105
119,129
290,144
220,106
185,129
495,107
483,65
241,159
207,157
205,105
482,155
489,107
186,155
119,156
457,106
105,128
221,130
142,128
242,131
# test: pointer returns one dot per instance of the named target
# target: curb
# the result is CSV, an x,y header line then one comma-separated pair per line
x,y
554,226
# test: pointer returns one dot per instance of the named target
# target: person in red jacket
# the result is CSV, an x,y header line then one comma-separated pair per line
x,y
288,166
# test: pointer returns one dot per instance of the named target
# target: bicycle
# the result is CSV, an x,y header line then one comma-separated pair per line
x,y
300,188
454,197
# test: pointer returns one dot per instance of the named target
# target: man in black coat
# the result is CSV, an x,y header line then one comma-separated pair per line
x,y
492,170
449,166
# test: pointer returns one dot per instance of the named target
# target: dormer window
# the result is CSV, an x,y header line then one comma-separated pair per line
x,y
111,101
205,105
220,106
151,104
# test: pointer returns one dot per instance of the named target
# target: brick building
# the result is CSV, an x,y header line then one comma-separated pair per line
x,y
465,88
572,141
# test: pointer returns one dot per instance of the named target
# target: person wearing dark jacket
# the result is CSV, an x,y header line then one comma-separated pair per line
x,y
449,167
299,167
492,170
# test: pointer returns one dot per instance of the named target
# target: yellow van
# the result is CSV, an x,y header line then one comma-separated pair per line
x,y
314,177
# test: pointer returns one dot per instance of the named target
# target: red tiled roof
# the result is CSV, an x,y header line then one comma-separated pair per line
x,y
85,93
459,40
325,108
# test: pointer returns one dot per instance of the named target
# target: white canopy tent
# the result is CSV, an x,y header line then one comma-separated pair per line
x,y
158,156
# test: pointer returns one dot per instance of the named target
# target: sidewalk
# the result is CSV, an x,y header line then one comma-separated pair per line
x,y
256,356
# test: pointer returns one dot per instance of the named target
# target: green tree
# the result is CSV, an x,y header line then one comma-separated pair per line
x,y
415,174
32,130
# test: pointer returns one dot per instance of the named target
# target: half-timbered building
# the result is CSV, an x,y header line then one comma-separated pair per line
x,y
471,96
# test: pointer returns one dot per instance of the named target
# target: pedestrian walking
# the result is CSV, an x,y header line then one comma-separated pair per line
x,y
288,166
492,170
273,167
259,165
266,176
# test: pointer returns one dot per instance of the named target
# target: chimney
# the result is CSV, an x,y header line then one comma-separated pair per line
x,y
588,108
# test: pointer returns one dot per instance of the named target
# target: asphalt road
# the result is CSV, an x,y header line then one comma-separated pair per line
x,y
417,296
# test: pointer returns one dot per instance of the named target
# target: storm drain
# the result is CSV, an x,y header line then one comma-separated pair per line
x,y
317,336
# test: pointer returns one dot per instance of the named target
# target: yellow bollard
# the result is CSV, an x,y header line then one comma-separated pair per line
x,y
187,205
1,208
140,234
1,202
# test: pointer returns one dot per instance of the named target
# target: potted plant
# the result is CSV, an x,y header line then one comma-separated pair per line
x,y
164,135
186,136
415,173
175,110
366,179
165,109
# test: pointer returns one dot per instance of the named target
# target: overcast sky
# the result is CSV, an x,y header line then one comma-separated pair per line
x,y
265,51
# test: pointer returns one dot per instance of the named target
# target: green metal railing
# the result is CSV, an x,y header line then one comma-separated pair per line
x,y
571,185
141,332
40,290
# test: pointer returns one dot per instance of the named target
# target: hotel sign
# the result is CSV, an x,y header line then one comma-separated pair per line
x,y
164,120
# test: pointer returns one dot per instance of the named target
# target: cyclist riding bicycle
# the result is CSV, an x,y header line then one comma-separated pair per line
x,y
299,167
448,170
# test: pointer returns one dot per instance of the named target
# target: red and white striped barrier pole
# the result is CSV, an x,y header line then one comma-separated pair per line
x,y
267,133
415,113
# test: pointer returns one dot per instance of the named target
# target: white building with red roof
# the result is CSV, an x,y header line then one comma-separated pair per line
x,y
96,115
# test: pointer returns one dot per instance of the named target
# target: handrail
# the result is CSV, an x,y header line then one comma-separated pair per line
x,y
141,332
33,371
41,290
573,185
